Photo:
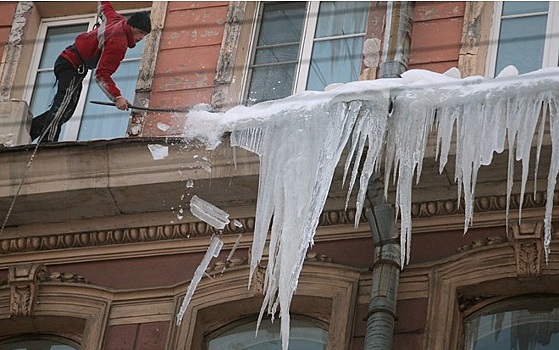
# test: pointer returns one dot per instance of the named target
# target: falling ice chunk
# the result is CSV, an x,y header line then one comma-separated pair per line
x,y
207,168
158,151
230,256
208,213
237,223
180,215
213,251
163,126
189,183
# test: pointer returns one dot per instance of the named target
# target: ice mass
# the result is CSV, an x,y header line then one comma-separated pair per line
x,y
382,123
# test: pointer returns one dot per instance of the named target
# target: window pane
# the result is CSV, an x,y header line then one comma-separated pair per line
x,y
278,42
520,7
281,23
278,54
531,325
521,43
102,122
58,38
335,61
271,82
341,18
43,92
36,345
302,336
44,89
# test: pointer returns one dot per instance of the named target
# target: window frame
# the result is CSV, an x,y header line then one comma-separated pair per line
x,y
39,337
326,292
551,45
252,319
71,129
306,45
513,303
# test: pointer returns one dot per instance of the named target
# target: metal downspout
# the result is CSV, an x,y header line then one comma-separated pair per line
x,y
380,214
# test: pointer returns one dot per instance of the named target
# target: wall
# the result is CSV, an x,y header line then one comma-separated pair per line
x,y
187,61
7,10
436,35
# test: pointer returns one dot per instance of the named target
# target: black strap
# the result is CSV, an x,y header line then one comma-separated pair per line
x,y
90,63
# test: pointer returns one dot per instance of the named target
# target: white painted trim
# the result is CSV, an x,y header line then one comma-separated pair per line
x,y
492,45
551,49
307,43
251,52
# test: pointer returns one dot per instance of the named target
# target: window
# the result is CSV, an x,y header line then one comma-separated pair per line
x,y
38,343
302,336
89,121
521,324
305,46
526,34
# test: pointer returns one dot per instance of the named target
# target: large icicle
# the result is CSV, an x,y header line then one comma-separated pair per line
x,y
300,139
294,196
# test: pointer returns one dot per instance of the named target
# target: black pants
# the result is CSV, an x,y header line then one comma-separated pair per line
x,y
49,124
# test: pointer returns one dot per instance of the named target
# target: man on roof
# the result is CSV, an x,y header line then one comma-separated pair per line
x,y
102,49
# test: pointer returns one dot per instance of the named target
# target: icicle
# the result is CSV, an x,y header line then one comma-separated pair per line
x,y
298,154
230,256
249,139
208,213
212,252
411,122
552,176
158,151
373,133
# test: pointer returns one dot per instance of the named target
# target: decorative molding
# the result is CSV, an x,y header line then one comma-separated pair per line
x,y
466,302
24,281
227,58
429,209
221,265
481,205
527,239
317,257
482,242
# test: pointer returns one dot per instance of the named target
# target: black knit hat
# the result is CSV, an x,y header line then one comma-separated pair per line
x,y
141,21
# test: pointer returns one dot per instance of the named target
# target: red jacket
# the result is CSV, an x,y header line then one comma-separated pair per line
x,y
107,43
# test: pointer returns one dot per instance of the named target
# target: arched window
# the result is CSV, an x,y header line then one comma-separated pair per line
x,y
38,342
304,335
522,323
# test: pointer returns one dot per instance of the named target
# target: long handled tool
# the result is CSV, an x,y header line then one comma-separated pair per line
x,y
170,110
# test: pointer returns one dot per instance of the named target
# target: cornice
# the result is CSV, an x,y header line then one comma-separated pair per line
x,y
435,211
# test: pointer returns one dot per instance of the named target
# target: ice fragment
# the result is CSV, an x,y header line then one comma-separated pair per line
x,y
212,252
158,151
208,213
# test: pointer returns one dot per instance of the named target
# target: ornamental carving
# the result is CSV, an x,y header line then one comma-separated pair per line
x,y
244,225
24,281
528,260
527,239
467,301
482,242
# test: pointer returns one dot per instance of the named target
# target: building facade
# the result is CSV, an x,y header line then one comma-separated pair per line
x,y
98,245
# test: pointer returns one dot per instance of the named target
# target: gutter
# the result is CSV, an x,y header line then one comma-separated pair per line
x,y
381,315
